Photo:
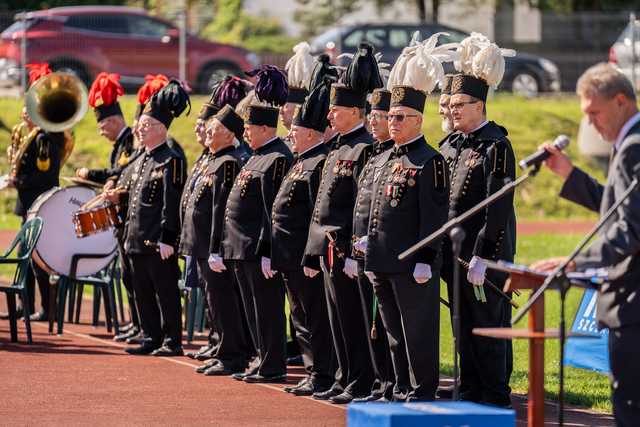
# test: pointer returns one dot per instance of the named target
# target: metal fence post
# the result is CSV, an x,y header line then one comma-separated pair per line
x,y
182,59
23,52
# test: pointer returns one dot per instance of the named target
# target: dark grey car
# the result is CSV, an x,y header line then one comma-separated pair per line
x,y
525,74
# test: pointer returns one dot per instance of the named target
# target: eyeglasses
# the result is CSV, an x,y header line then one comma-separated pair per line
x,y
459,105
378,116
400,117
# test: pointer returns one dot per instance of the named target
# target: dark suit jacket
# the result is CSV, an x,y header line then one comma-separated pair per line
x,y
121,155
617,246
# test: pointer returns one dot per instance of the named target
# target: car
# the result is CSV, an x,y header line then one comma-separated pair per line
x,y
86,40
525,74
621,54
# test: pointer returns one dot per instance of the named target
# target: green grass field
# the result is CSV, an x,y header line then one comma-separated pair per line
x,y
529,122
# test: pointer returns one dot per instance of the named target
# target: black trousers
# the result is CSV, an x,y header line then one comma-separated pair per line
x,y
485,363
158,297
377,338
625,374
411,314
226,316
263,301
127,280
355,373
310,320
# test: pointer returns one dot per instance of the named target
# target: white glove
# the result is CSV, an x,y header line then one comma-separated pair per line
x,y
370,275
350,268
310,272
215,263
267,272
165,250
477,271
422,273
361,244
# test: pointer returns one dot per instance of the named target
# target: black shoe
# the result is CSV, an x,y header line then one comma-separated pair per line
x,y
202,368
302,382
127,327
257,378
128,334
206,355
341,399
326,395
251,370
295,361
203,349
143,349
136,339
166,351
308,389
40,316
222,369
370,398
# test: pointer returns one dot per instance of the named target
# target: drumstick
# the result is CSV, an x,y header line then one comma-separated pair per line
x,y
492,285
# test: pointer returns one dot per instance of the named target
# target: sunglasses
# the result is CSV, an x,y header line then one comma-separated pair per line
x,y
400,117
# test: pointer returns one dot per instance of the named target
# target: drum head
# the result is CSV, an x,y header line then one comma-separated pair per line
x,y
58,241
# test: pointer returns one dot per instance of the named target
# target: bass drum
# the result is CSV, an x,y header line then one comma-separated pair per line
x,y
58,241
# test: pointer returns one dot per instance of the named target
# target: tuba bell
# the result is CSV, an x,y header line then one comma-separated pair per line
x,y
57,102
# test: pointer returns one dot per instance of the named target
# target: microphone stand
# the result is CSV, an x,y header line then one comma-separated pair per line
x,y
457,235
558,278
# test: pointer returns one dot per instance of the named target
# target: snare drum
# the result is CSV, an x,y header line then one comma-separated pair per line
x,y
95,220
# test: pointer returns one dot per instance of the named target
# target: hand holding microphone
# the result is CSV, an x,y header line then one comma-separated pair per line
x,y
552,156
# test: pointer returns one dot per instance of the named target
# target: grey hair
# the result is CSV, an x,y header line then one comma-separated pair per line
x,y
605,80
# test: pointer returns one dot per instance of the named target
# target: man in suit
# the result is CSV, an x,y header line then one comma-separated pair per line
x,y
608,99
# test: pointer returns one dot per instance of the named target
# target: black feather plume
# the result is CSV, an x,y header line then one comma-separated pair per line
x,y
172,98
323,69
271,85
362,74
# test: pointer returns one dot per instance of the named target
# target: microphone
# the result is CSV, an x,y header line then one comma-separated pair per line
x,y
561,142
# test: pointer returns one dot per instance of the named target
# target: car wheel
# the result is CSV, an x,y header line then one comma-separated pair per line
x,y
525,84
213,73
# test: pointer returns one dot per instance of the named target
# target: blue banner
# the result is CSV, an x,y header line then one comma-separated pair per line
x,y
588,353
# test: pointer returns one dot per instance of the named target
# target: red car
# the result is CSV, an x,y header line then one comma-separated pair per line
x,y
89,39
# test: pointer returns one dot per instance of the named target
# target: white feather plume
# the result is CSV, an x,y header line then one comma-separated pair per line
x,y
300,66
420,64
482,59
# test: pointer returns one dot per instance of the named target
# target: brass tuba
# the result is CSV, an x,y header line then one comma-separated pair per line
x,y
57,102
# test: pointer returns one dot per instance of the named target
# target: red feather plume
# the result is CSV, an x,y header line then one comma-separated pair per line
x,y
107,88
37,70
151,86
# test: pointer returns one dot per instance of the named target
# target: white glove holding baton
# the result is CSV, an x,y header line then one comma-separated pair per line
x,y
165,250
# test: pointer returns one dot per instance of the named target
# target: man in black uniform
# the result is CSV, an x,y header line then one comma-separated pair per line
x,y
201,235
153,227
331,228
410,192
290,229
443,106
111,124
193,242
38,172
246,241
481,160
378,343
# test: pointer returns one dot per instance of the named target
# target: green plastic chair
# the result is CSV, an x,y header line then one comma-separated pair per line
x,y
22,246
